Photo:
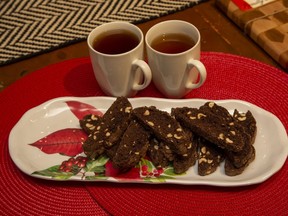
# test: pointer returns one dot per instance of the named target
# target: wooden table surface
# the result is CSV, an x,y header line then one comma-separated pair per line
x,y
219,34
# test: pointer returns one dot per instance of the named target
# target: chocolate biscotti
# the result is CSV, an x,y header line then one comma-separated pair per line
x,y
222,132
208,134
89,122
160,154
247,126
164,127
93,146
182,164
234,134
232,170
115,120
248,122
238,159
210,157
110,128
132,148
217,110
236,162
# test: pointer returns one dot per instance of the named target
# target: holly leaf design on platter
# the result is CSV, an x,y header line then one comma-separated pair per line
x,y
79,166
80,109
54,173
169,171
97,165
67,141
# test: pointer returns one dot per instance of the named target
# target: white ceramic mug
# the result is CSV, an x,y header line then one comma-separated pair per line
x,y
121,74
175,74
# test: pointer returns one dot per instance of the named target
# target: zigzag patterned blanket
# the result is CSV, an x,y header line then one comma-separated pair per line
x,y
31,27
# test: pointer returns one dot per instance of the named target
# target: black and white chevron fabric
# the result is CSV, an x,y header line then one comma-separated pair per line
x,y
31,27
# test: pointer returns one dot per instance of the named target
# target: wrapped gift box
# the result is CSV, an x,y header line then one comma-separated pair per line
x,y
265,21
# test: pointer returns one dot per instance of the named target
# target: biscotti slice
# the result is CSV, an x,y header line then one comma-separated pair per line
x,y
109,130
89,122
223,133
223,113
132,148
217,110
156,153
110,152
248,121
232,170
245,120
164,127
93,146
116,119
210,157
182,164
168,153
238,159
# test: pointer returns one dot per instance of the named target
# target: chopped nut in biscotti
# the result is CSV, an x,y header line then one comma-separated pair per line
x,y
165,128
132,147
93,146
210,157
201,115
89,122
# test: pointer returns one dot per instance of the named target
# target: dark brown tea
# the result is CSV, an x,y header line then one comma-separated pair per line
x,y
172,43
115,42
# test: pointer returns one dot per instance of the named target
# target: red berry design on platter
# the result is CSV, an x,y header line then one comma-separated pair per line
x,y
73,165
154,172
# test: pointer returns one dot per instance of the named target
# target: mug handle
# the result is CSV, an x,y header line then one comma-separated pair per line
x,y
145,69
202,72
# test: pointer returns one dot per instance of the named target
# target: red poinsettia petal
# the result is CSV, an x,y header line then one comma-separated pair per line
x,y
66,141
80,109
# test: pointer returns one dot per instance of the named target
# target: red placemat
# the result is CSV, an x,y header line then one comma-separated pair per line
x,y
229,77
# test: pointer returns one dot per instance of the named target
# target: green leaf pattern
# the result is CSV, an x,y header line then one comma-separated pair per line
x,y
95,170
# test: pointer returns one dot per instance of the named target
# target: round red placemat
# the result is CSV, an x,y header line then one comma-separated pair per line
x,y
229,77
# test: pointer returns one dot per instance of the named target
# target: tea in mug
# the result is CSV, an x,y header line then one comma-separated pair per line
x,y
172,43
115,42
